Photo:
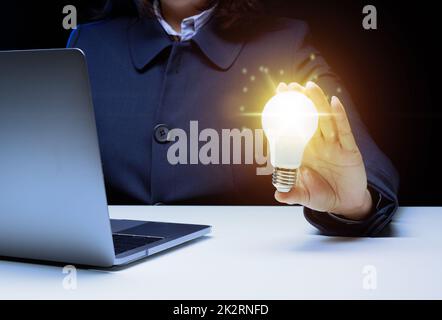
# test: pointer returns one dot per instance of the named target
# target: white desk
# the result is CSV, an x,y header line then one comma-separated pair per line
x,y
257,253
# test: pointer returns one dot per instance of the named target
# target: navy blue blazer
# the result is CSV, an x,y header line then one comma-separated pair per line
x,y
144,83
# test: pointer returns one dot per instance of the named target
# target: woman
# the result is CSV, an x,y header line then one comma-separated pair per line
x,y
210,61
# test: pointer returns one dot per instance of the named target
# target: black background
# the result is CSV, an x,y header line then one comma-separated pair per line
x,y
391,72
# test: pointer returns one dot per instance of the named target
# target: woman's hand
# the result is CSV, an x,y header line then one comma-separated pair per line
x,y
332,177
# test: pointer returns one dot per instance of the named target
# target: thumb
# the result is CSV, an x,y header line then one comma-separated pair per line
x,y
299,193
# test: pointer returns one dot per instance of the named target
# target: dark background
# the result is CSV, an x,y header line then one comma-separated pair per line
x,y
391,72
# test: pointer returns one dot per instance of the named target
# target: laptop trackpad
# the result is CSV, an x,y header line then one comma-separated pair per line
x,y
120,225
154,229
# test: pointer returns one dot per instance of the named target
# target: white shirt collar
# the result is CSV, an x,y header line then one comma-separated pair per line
x,y
189,26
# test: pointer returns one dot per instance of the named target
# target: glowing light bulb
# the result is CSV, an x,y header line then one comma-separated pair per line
x,y
289,120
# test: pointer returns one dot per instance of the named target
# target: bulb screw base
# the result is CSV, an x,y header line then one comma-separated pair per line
x,y
284,179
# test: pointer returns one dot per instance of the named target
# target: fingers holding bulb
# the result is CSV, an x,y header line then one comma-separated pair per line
x,y
282,87
312,191
299,194
345,135
293,86
326,123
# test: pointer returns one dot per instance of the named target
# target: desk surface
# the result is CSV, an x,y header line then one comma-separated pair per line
x,y
258,253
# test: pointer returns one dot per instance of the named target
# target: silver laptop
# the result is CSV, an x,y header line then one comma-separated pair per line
x,y
53,203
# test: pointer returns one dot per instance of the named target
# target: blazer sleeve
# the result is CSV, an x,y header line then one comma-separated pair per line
x,y
383,179
73,37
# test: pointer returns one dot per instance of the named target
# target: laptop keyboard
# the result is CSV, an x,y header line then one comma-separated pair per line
x,y
126,242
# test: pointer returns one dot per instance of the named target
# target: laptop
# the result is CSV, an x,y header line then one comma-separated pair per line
x,y
53,203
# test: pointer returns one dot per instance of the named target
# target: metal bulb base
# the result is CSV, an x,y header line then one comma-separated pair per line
x,y
284,179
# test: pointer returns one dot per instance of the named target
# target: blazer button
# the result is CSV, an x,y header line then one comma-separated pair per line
x,y
161,133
